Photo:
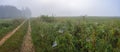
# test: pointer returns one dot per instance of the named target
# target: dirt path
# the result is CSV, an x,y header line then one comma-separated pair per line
x,y
27,45
10,34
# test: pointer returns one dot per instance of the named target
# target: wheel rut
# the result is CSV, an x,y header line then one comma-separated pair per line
x,y
7,36
27,45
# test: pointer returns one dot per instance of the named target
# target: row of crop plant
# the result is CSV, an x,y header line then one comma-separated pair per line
x,y
75,35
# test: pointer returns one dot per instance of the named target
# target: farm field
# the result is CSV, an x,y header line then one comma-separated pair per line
x,y
76,34
63,34
59,25
13,44
6,25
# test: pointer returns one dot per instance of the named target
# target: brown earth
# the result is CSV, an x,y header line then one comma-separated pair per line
x,y
27,45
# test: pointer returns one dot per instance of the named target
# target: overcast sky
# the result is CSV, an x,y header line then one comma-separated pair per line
x,y
68,7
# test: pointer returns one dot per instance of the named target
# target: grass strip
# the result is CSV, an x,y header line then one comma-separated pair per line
x,y
13,44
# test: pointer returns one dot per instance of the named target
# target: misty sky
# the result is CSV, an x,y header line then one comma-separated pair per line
x,y
68,7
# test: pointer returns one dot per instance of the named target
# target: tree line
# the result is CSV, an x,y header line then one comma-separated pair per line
x,y
13,12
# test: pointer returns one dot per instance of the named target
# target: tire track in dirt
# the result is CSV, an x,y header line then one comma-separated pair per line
x,y
7,36
27,45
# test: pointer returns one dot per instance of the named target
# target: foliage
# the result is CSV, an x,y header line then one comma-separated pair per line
x,y
46,18
73,35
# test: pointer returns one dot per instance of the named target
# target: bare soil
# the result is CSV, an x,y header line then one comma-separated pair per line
x,y
27,45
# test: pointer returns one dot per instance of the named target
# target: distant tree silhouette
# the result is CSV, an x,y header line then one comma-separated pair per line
x,y
26,12
12,12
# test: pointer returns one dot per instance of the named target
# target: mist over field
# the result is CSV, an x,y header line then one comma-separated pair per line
x,y
59,26
68,7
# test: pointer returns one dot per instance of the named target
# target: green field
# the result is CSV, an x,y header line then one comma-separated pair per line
x,y
92,34
6,25
64,34
13,44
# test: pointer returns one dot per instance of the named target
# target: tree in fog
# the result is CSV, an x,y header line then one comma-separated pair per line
x,y
26,12
13,12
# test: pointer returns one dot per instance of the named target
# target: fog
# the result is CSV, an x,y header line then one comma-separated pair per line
x,y
68,7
